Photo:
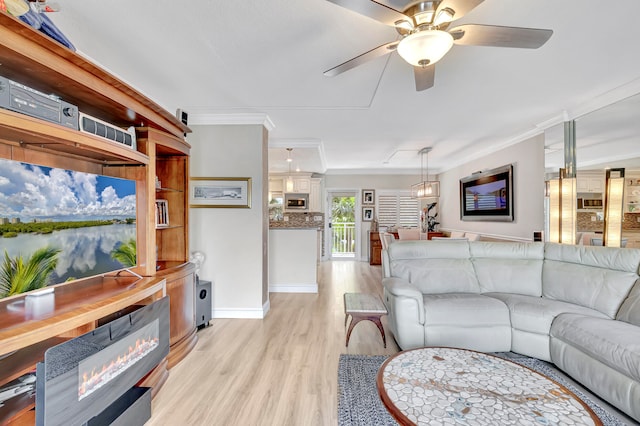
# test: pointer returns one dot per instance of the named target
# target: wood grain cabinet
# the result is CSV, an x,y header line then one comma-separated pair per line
x,y
375,249
31,58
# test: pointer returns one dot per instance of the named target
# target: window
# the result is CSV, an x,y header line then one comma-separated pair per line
x,y
398,210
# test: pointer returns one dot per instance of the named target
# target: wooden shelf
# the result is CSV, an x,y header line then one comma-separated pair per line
x,y
76,304
33,133
52,68
24,360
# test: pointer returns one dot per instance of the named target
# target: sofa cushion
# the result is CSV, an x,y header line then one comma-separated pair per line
x,y
594,277
438,275
465,310
434,267
508,267
613,343
535,314
630,309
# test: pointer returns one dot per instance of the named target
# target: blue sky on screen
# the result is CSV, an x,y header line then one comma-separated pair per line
x,y
29,191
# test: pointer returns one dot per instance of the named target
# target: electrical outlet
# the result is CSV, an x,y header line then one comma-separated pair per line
x,y
319,218
306,219
593,218
286,218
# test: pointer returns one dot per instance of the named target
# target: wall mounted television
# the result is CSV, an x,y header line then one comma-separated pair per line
x,y
88,219
487,195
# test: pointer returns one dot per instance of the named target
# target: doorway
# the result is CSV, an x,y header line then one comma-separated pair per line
x,y
343,238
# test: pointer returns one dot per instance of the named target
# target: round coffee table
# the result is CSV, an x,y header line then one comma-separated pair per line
x,y
449,386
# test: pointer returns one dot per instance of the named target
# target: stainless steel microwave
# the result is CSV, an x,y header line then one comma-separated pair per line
x,y
295,201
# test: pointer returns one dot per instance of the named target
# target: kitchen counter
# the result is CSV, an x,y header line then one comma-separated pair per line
x,y
293,260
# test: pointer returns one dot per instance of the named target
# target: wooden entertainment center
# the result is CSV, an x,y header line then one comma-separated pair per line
x,y
30,58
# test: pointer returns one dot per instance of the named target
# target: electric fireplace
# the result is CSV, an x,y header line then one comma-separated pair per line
x,y
91,379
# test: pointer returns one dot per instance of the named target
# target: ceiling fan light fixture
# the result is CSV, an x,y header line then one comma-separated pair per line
x,y
425,47
443,16
404,24
423,17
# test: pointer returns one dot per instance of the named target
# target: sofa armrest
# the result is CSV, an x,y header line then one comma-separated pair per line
x,y
399,287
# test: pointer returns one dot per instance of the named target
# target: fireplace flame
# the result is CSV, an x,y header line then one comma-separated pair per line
x,y
100,376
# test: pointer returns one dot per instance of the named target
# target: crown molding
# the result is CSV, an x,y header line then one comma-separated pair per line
x,y
204,118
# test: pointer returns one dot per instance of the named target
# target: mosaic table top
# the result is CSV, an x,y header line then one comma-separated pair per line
x,y
445,386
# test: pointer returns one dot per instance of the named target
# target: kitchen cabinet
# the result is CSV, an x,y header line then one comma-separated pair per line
x,y
301,185
315,195
590,183
632,195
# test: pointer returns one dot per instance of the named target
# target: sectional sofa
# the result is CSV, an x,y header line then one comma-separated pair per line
x,y
575,306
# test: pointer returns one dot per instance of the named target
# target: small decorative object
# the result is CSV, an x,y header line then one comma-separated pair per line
x,y
158,183
368,214
197,258
368,196
374,225
226,192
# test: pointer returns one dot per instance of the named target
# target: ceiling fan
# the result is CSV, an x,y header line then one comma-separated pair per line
x,y
425,36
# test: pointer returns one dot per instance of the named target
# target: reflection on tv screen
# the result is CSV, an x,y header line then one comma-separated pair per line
x,y
486,196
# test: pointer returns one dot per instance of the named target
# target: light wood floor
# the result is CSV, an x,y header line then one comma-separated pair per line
x,y
281,370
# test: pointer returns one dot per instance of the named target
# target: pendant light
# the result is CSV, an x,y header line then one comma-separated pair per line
x,y
425,188
289,181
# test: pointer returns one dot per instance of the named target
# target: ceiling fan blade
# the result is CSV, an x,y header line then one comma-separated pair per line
x,y
374,10
493,35
460,7
382,50
424,77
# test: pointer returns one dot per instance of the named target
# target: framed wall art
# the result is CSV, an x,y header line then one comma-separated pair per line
x,y
220,192
368,196
368,214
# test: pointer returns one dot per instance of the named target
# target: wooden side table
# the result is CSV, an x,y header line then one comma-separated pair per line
x,y
361,306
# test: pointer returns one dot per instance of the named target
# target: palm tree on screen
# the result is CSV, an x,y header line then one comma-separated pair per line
x,y
18,275
125,253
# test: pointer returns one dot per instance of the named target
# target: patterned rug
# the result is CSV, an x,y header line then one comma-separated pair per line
x,y
359,403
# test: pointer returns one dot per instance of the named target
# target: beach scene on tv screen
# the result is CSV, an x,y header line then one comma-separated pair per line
x,y
84,224
486,196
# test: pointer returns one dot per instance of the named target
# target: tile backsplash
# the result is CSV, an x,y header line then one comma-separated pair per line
x,y
586,222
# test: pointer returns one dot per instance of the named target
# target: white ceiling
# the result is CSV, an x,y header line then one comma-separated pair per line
x,y
268,56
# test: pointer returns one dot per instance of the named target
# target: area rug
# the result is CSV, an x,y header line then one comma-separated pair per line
x,y
359,403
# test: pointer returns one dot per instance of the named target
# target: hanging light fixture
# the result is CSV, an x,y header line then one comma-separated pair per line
x,y
425,47
289,182
425,188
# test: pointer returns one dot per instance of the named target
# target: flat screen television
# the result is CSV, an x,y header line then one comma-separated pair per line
x,y
487,195
88,219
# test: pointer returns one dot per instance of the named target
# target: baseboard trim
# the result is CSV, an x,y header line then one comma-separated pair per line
x,y
293,288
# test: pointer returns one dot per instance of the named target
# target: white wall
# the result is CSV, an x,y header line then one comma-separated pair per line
x,y
528,165
233,240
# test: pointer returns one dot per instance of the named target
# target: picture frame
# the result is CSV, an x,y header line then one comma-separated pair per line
x,y
368,213
220,192
368,196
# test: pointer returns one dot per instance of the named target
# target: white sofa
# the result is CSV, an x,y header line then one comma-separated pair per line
x,y
575,306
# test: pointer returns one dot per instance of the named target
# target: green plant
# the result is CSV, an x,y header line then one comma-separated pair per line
x,y
343,209
125,253
18,275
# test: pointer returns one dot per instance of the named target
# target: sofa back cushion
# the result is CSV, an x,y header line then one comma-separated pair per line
x,y
507,267
595,277
630,309
434,266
